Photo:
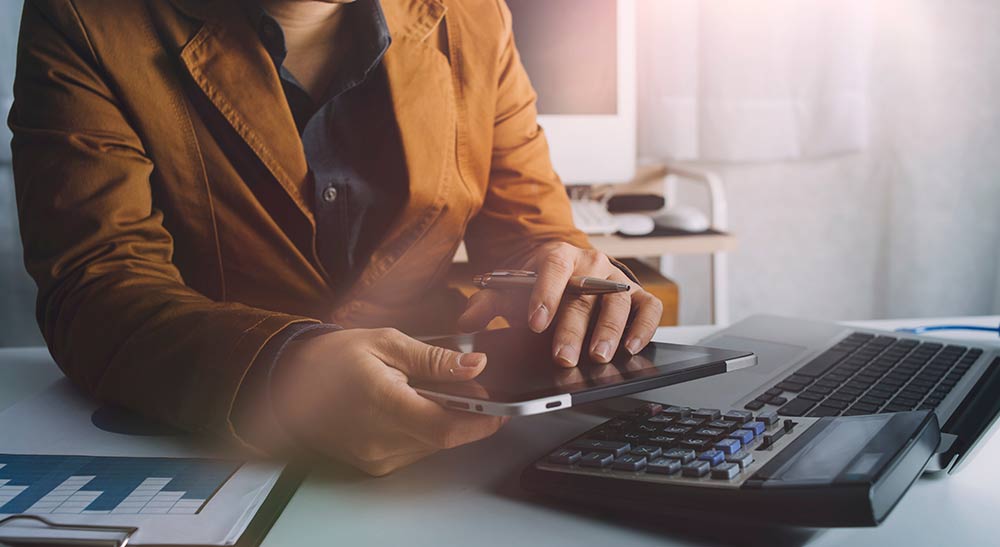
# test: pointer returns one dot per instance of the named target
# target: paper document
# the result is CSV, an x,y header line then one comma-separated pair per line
x,y
66,459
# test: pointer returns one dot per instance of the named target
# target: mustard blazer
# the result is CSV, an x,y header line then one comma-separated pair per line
x,y
162,273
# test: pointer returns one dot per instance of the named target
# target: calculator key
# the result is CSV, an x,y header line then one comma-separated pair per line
x,y
738,416
713,457
725,425
647,451
769,418
697,468
709,433
707,413
663,441
743,459
676,430
756,427
614,447
596,459
729,446
685,455
663,466
725,471
690,422
744,436
660,419
629,462
677,412
696,444
565,456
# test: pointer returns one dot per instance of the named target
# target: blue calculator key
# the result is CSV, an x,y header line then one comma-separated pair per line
x,y
725,471
756,427
629,462
663,466
565,456
596,459
728,446
647,451
713,457
614,447
743,459
742,435
683,454
697,468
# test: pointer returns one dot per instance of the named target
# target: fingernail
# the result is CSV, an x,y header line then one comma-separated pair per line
x,y
539,318
568,355
603,350
633,345
469,360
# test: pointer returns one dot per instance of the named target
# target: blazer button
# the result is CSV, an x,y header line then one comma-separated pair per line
x,y
330,194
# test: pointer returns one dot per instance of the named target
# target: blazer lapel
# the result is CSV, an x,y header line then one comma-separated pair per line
x,y
423,99
226,60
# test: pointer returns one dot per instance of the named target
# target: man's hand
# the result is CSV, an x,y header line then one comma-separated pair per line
x,y
555,264
345,394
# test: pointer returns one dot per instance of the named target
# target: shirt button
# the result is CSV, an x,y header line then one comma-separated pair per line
x,y
330,194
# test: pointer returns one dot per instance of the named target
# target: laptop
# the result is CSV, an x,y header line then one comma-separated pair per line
x,y
813,368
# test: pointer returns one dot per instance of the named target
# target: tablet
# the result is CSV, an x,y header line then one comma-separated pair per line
x,y
521,377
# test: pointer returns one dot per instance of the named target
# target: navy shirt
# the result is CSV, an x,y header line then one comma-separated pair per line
x,y
351,141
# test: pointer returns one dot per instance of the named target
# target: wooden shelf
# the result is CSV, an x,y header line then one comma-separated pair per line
x,y
623,247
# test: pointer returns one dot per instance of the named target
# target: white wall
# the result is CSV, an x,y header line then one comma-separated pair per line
x,y
908,227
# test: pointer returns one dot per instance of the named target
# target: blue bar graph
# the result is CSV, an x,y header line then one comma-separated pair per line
x,y
53,484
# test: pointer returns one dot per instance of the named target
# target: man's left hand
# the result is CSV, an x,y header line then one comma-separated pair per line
x,y
547,305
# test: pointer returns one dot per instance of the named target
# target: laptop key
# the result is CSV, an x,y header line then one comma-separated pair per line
x,y
824,410
810,396
797,407
821,363
777,401
754,405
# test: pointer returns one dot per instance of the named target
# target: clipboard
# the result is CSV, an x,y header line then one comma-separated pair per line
x,y
99,535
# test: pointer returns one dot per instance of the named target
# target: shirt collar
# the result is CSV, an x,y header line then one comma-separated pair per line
x,y
370,34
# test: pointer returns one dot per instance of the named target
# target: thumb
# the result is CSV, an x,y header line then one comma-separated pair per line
x,y
433,363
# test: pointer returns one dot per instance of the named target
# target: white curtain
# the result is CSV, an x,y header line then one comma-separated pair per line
x,y
859,143
753,80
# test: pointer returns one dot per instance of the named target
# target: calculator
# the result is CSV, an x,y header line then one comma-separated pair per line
x,y
763,468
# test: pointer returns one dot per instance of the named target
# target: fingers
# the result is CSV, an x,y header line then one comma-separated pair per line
x,y
490,303
571,328
649,309
611,320
434,426
424,361
554,272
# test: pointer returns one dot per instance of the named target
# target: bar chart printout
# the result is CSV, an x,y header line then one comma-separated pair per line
x,y
54,484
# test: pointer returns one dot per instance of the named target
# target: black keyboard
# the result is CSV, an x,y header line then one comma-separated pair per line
x,y
868,374
843,471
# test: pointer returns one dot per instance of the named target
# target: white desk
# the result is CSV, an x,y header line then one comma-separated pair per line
x,y
470,495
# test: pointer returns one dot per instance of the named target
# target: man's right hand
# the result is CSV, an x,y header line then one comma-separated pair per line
x,y
346,395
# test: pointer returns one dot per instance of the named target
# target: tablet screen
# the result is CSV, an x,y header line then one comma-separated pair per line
x,y
520,367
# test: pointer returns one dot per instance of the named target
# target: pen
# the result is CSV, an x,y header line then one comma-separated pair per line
x,y
520,279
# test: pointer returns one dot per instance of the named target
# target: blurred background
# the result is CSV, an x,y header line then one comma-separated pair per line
x,y
858,143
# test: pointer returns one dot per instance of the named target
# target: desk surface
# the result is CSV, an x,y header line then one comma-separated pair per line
x,y
470,495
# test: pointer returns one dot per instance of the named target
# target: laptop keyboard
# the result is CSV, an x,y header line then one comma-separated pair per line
x,y
868,374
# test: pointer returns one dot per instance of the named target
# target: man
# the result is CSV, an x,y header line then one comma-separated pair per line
x,y
226,204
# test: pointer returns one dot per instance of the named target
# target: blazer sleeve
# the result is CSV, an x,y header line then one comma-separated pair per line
x,y
114,310
526,203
